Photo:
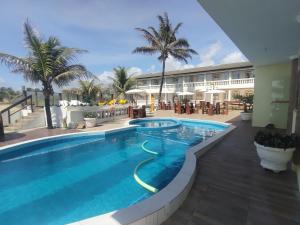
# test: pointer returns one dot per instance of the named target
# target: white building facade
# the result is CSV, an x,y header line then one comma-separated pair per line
x,y
231,79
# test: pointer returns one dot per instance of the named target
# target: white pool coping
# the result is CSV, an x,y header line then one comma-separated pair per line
x,y
159,207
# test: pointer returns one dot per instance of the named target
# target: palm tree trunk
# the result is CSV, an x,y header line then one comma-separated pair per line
x,y
48,112
162,81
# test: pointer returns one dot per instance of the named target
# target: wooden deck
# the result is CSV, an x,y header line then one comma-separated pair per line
x,y
232,189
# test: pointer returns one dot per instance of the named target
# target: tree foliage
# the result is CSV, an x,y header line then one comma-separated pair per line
x,y
48,62
164,42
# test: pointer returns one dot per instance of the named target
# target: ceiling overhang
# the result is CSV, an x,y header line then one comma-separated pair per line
x,y
267,32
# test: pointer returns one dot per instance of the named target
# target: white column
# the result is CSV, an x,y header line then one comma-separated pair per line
x,y
229,95
205,86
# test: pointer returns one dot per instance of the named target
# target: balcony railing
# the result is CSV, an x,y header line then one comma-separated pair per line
x,y
216,84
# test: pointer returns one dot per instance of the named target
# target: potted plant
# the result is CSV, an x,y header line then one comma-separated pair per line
x,y
90,119
274,149
248,106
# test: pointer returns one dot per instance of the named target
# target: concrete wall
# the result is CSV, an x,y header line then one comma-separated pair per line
x,y
271,95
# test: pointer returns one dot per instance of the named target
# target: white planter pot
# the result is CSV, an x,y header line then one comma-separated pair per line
x,y
90,122
246,116
275,159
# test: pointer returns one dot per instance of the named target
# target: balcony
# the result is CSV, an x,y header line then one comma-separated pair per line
x,y
202,86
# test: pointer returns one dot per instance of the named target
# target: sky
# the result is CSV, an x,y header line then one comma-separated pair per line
x,y
106,29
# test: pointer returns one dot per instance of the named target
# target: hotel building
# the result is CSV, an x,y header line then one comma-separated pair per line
x,y
230,79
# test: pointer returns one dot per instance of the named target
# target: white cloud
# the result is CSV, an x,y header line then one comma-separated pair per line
x,y
173,64
233,57
207,57
105,77
151,69
134,71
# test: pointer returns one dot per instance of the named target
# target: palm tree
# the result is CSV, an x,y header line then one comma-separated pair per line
x,y
47,63
89,90
164,42
122,82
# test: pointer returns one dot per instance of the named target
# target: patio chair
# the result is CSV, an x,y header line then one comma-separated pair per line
x,y
175,108
205,107
224,108
179,108
217,109
187,108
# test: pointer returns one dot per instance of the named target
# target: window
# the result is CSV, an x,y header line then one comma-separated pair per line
x,y
171,80
189,79
143,82
155,82
249,74
200,78
235,75
209,77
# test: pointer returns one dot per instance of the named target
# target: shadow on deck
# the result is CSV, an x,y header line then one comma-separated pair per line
x,y
232,189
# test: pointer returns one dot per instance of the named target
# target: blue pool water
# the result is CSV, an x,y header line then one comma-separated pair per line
x,y
70,178
155,123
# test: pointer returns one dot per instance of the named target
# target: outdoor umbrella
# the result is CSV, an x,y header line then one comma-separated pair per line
x,y
137,91
212,92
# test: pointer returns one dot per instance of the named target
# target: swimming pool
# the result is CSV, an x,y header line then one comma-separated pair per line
x,y
69,178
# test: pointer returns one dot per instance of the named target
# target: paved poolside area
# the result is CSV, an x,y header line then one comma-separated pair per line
x,y
220,117
15,137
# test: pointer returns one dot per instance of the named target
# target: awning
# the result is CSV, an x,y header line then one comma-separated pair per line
x,y
184,93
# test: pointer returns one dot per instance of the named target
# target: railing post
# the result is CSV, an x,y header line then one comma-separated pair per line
x,y
31,106
1,128
36,98
25,96
8,115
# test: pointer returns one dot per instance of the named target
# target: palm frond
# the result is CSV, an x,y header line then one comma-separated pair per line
x,y
149,37
13,62
146,50
176,28
179,43
155,32
179,57
69,74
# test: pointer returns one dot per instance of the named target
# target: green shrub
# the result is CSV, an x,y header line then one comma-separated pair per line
x,y
270,137
89,115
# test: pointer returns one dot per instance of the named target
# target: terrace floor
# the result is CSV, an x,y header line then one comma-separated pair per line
x,y
232,189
